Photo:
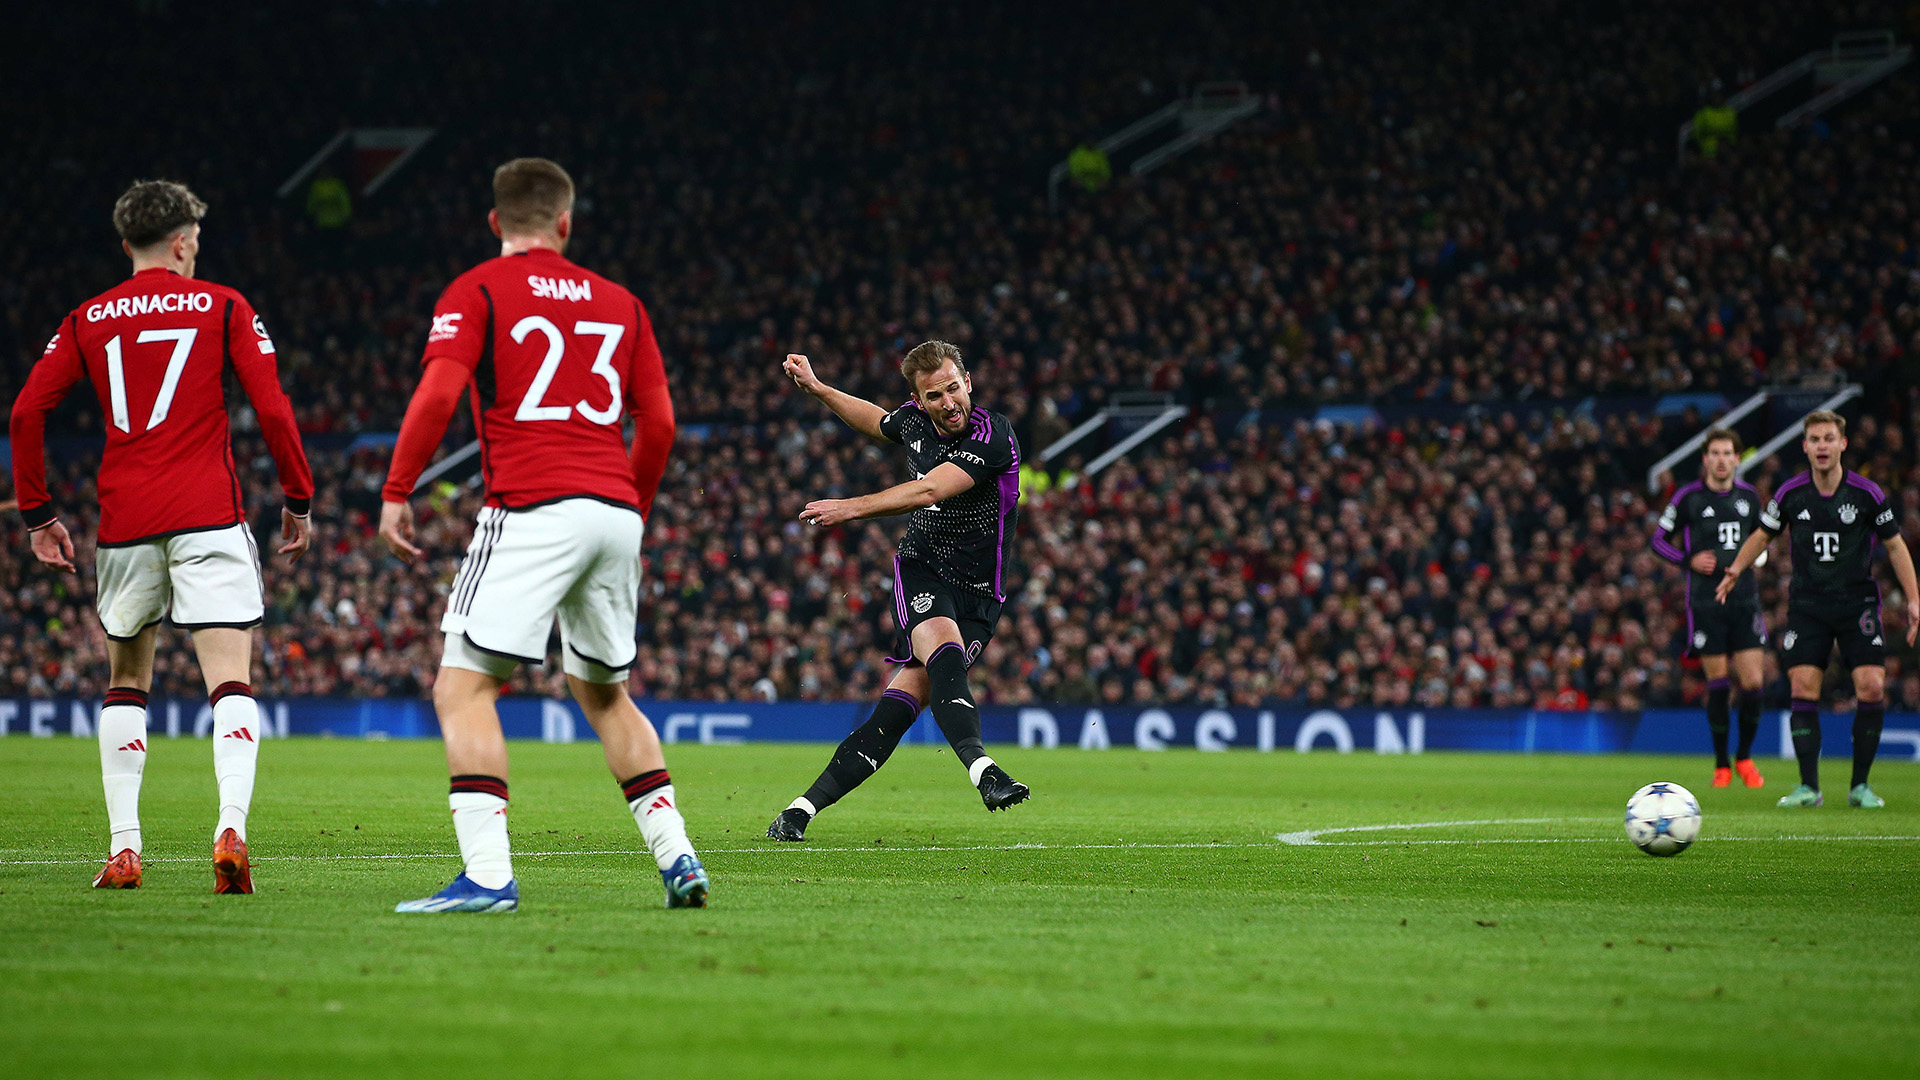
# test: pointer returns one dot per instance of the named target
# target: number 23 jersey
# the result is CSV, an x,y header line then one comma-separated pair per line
x,y
559,356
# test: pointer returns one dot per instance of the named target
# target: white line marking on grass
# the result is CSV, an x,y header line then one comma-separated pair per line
x,y
1304,838
1307,837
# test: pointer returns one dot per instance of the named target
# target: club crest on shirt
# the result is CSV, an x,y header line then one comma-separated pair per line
x,y
1848,513
922,603
1699,638
1787,640
1740,507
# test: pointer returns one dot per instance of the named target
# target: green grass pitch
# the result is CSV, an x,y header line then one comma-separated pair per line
x,y
1139,917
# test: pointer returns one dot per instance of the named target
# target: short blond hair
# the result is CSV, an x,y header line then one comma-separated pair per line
x,y
1826,416
530,194
926,358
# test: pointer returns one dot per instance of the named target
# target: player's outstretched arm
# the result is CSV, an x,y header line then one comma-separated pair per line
x,y
1902,560
944,482
859,414
1756,543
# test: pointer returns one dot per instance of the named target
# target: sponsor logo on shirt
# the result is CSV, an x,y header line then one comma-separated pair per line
x,y
559,288
54,343
1885,515
127,306
445,327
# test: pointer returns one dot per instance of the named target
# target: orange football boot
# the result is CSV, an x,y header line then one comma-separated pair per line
x,y
230,871
1749,774
121,872
1722,777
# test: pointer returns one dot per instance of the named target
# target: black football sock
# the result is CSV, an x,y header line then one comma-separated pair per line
x,y
861,754
1749,723
1717,694
1868,717
953,707
1805,728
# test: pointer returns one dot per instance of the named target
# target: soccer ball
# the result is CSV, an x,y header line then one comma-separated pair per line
x,y
1663,819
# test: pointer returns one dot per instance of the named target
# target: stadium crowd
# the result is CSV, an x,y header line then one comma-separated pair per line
x,y
1485,224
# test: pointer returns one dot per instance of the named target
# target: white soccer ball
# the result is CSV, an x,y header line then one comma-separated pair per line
x,y
1663,819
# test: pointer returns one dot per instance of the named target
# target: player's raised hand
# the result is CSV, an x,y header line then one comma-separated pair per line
x,y
800,370
298,532
1703,562
827,512
396,528
54,547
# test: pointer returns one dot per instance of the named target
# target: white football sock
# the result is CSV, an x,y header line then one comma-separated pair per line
x,y
236,752
123,758
480,822
801,803
978,769
661,825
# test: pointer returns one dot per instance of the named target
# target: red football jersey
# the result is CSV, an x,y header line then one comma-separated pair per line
x,y
559,355
155,348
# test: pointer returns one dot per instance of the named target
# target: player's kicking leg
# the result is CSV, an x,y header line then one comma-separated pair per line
x,y
1869,715
464,697
640,767
123,755
860,754
937,644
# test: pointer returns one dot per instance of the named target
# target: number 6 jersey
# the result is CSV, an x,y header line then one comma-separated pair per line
x,y
156,348
558,357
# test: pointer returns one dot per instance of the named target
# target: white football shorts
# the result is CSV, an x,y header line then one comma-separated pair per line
x,y
196,580
576,558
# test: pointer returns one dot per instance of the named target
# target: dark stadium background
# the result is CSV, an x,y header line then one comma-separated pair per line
x,y
1466,216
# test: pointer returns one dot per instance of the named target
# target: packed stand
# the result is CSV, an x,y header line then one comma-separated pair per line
x,y
1442,212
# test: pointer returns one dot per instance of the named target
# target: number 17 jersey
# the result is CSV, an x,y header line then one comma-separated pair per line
x,y
156,349
559,355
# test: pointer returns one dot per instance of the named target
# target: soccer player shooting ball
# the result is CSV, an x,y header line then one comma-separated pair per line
x,y
949,578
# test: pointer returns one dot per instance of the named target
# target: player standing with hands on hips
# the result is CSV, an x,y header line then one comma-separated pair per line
x,y
949,579
1833,516
174,542
554,356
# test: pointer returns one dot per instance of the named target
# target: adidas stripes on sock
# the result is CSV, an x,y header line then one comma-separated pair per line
x,y
123,759
236,753
1804,726
1749,723
1718,691
651,798
479,805
953,707
1868,718
861,754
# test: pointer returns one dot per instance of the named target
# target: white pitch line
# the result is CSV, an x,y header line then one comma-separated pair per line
x,y
880,849
1307,837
